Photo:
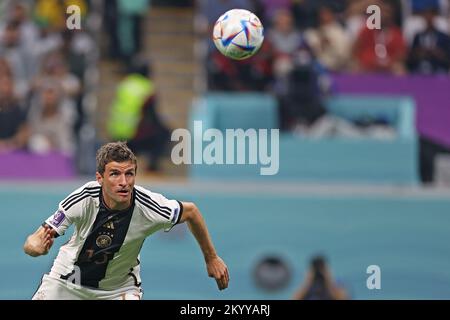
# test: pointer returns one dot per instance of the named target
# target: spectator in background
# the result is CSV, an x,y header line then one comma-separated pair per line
x,y
134,116
24,45
430,52
329,41
303,12
296,74
55,68
18,12
77,49
152,136
271,7
283,35
13,126
319,283
287,44
301,102
414,22
124,24
110,16
132,15
381,50
51,118
355,16
18,55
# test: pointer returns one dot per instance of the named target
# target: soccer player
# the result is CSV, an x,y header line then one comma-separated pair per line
x,y
112,218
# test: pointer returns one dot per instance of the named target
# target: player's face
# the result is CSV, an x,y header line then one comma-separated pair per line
x,y
117,184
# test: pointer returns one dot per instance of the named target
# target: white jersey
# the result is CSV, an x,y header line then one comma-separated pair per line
x,y
103,251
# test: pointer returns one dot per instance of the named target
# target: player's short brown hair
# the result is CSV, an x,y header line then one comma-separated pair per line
x,y
114,151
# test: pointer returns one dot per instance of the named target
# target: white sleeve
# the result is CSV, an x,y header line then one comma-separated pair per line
x,y
59,221
160,209
176,211
70,209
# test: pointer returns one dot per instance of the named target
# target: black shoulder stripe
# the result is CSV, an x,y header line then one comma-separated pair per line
x,y
68,206
74,200
79,193
91,189
154,208
154,202
146,204
146,196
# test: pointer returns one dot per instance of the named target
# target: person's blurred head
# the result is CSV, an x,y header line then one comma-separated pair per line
x,y
326,15
18,12
318,267
11,35
50,96
283,21
429,15
54,64
387,14
140,65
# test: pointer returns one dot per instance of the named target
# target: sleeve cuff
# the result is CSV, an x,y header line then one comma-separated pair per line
x,y
56,231
181,212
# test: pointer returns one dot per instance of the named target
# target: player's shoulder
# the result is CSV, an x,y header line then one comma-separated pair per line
x,y
89,187
143,194
91,184
148,198
87,192
155,204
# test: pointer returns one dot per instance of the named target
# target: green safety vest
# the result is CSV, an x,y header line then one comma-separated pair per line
x,y
126,109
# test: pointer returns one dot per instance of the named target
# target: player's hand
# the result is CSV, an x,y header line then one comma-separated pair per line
x,y
48,238
41,241
218,270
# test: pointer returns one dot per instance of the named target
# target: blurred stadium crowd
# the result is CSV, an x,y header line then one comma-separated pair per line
x,y
48,74
46,79
333,34
307,40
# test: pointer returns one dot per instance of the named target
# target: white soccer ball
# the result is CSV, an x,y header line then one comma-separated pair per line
x,y
238,34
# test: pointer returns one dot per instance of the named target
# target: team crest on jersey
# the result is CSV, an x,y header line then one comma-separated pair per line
x,y
58,218
103,241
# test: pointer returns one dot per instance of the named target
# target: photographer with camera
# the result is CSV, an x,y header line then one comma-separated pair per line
x,y
319,283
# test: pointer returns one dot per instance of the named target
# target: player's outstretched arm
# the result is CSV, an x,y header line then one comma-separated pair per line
x,y
40,242
216,268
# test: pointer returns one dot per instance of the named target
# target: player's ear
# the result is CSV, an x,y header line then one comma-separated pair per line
x,y
99,178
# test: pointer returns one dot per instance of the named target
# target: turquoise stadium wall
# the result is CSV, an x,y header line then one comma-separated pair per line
x,y
303,159
407,236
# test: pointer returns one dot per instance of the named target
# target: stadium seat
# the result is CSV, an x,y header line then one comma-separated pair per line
x,y
240,110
